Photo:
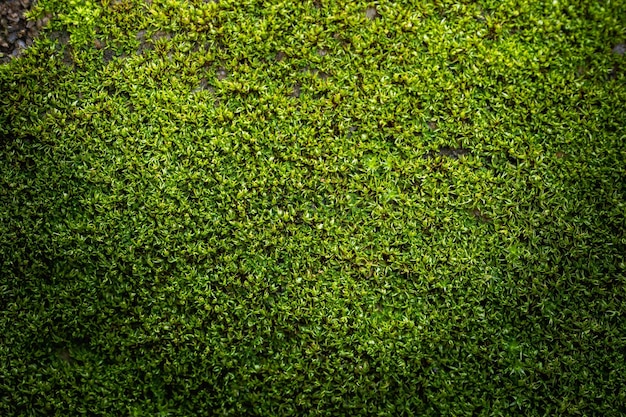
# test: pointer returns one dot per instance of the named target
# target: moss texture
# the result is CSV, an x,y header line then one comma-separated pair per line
x,y
315,208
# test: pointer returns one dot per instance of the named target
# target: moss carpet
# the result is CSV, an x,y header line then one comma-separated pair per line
x,y
315,208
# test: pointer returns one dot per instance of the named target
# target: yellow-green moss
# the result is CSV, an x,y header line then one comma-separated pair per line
x,y
315,208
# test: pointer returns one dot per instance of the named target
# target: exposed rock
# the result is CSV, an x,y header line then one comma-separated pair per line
x,y
16,33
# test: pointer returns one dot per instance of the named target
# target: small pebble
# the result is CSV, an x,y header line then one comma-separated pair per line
x,y
371,13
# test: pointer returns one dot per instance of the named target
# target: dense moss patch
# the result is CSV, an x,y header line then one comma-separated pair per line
x,y
315,208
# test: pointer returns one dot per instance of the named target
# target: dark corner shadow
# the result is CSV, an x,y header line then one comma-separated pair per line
x,y
41,261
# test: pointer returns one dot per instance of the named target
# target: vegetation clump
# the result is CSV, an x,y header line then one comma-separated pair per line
x,y
315,208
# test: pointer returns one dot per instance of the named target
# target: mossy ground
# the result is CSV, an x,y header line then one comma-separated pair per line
x,y
315,208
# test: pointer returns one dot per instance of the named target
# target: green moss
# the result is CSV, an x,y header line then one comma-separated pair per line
x,y
316,208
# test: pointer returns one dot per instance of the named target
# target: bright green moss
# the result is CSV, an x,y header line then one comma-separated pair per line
x,y
317,208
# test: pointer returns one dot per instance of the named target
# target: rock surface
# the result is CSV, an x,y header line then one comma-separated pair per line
x,y
16,33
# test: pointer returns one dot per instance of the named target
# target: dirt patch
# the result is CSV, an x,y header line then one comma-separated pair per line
x,y
62,39
479,215
17,33
295,93
453,152
372,13
280,56
449,152
222,74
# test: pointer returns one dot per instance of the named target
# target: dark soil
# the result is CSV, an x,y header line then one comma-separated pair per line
x,y
16,33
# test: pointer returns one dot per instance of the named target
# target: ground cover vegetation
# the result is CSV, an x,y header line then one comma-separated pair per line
x,y
314,208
